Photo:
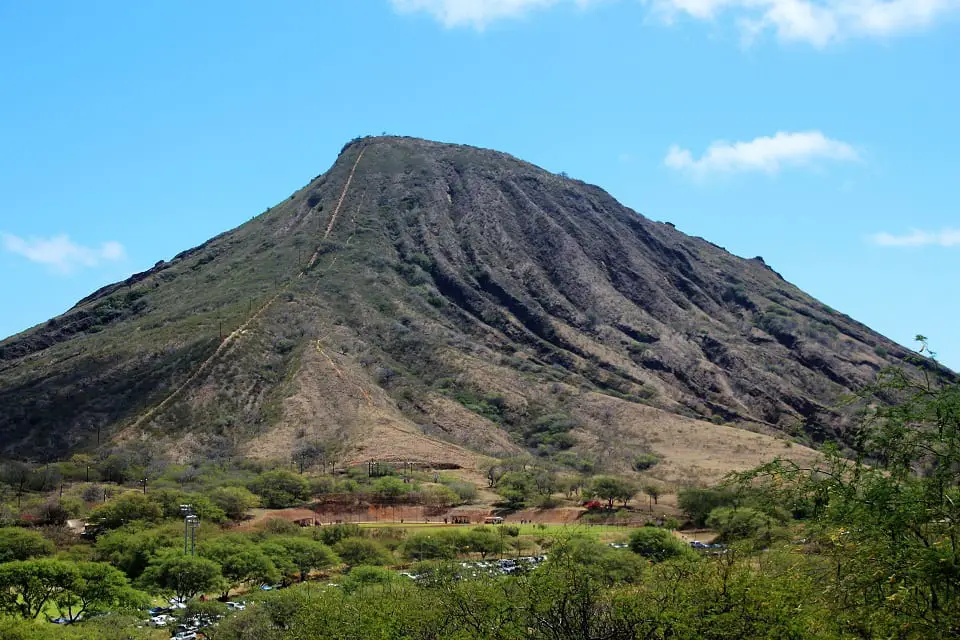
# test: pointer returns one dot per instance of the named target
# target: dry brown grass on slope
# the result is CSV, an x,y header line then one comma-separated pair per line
x,y
335,400
693,452
459,424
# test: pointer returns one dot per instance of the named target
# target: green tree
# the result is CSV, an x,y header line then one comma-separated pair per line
x,y
429,546
333,534
95,588
611,488
438,497
390,489
467,491
280,488
307,555
563,600
130,549
362,551
483,540
656,544
170,501
889,519
127,508
26,586
741,524
183,576
697,503
21,544
234,501
516,487
280,558
653,492
251,566
366,576
241,562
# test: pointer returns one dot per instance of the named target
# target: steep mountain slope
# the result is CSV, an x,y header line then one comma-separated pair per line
x,y
432,301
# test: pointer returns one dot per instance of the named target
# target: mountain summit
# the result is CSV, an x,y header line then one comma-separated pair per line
x,y
436,302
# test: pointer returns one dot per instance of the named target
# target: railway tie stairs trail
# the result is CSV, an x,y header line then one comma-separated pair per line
x,y
228,342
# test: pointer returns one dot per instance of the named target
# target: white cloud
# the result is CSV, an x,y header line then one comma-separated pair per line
x,y
477,13
918,238
817,22
765,154
61,254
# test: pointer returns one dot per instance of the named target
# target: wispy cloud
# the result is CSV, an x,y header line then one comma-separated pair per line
x,y
61,254
918,238
816,22
766,154
478,13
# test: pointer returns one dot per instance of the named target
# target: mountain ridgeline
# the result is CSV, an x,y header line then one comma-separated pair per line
x,y
432,301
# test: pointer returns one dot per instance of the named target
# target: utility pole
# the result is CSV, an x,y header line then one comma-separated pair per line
x,y
190,524
194,523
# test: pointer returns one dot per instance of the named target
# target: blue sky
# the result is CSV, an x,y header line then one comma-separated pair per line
x,y
820,134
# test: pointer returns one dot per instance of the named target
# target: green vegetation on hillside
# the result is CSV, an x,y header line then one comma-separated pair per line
x,y
855,547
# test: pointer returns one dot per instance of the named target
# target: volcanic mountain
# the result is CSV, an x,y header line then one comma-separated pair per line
x,y
439,302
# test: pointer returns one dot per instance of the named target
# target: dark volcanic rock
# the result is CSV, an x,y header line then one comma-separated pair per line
x,y
443,261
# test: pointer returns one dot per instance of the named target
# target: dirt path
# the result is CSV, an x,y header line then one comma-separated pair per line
x,y
227,342
336,211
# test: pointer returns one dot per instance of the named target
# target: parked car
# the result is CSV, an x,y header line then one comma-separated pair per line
x,y
236,606
185,635
162,620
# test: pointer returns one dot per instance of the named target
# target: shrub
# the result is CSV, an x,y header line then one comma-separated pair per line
x,y
52,513
20,544
645,461
334,534
234,501
740,524
280,488
656,544
466,491
280,527
362,551
365,576
92,493
130,507
390,489
547,502
438,497
429,546
305,554
698,503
